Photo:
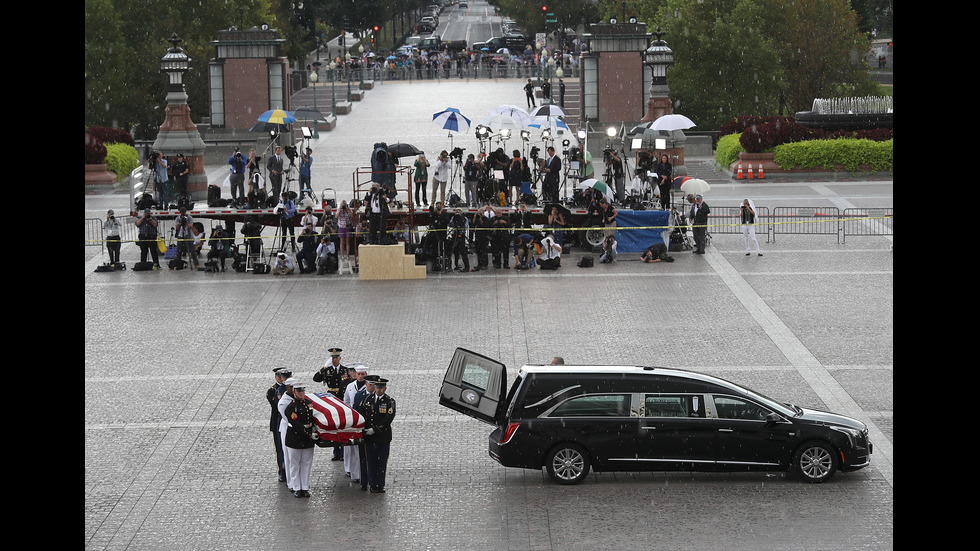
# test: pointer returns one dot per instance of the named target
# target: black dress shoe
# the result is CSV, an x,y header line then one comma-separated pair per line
x,y
298,493
336,458
282,478
306,493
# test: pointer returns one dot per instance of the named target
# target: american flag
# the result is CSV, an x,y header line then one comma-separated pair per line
x,y
335,421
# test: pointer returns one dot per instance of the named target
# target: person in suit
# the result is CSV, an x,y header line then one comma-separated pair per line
x,y
275,169
699,220
552,174
377,211
300,440
379,412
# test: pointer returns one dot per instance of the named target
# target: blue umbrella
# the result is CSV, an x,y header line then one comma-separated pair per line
x,y
277,116
451,119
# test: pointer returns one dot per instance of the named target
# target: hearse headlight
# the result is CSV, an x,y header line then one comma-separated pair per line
x,y
853,435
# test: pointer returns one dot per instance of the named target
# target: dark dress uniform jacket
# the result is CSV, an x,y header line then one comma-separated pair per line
x,y
378,416
299,415
272,396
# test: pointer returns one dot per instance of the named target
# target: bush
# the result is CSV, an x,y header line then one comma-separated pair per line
x,y
95,152
122,159
111,135
728,149
766,136
850,153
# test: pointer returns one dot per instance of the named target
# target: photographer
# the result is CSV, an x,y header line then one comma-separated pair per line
x,y
305,182
436,236
287,212
421,179
499,240
252,231
481,237
306,259
219,245
550,258
237,167
473,170
499,162
612,158
147,225
457,238
181,171
159,165
377,211
523,251
440,175
283,264
185,237
113,237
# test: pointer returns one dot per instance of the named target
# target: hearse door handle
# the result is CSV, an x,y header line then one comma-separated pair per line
x,y
725,430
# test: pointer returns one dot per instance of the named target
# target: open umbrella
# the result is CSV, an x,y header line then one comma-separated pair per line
x,y
451,119
548,110
678,181
672,122
519,114
498,122
695,185
308,114
597,185
277,116
557,126
268,127
503,51
403,150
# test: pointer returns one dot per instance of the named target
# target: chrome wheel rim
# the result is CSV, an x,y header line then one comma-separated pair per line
x,y
568,464
816,462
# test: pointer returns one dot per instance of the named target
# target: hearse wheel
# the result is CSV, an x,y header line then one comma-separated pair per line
x,y
815,461
568,464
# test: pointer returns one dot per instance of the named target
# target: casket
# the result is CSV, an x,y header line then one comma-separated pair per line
x,y
336,423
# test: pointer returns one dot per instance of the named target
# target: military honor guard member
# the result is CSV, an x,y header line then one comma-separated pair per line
x,y
352,460
379,412
360,407
285,398
335,376
300,440
272,395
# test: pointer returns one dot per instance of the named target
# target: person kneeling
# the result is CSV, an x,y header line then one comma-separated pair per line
x,y
550,258
283,264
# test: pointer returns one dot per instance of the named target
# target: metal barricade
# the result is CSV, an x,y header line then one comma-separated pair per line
x,y
724,220
868,222
806,220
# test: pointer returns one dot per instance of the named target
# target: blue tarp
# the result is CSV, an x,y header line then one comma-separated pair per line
x,y
636,240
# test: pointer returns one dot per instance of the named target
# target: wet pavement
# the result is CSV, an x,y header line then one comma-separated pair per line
x,y
178,452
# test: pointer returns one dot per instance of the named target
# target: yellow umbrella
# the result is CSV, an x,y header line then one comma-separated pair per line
x,y
277,116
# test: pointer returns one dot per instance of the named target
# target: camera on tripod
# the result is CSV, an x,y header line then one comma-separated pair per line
x,y
457,153
291,152
607,155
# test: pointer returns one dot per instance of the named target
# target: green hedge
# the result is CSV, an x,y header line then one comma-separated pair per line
x,y
729,146
121,158
850,153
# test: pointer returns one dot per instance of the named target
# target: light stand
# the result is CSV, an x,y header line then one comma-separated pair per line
x,y
313,78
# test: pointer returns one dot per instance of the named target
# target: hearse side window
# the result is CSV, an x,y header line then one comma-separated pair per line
x,y
594,405
673,405
730,407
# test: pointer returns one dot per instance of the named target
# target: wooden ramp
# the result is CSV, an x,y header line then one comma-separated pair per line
x,y
387,262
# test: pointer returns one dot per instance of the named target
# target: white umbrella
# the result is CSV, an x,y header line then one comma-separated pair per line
x,y
672,122
515,112
498,122
557,126
695,185
548,110
503,51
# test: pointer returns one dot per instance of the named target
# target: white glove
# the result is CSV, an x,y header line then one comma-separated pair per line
x,y
369,432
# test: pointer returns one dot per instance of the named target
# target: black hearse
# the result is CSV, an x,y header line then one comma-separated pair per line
x,y
628,418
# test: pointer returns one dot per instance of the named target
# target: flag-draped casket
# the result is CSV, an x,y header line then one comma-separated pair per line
x,y
334,420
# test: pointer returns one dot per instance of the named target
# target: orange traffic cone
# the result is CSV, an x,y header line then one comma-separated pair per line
x,y
750,172
762,174
738,175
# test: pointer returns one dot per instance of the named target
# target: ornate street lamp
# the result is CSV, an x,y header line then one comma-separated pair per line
x,y
333,90
175,63
347,57
313,79
658,57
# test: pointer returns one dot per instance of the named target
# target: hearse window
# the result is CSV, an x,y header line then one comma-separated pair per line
x,y
730,407
673,405
594,405
475,377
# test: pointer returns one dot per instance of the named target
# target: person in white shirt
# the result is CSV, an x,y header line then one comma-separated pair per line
x,y
352,457
550,258
440,175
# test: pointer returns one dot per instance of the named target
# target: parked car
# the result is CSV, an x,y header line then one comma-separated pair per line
x,y
571,419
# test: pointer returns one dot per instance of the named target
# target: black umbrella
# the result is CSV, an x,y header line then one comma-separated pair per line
x,y
269,127
308,114
403,150
548,110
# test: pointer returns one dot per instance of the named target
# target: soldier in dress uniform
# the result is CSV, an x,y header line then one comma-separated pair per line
x,y
300,440
352,461
379,412
335,376
360,407
285,398
272,395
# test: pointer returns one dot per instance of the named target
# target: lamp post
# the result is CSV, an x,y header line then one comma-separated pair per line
x,y
313,78
360,50
551,76
333,87
347,58
658,57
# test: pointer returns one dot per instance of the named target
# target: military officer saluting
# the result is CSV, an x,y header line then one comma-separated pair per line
x,y
335,376
379,412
